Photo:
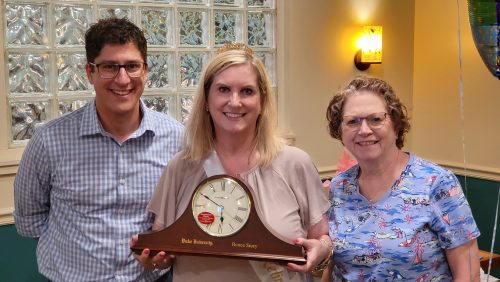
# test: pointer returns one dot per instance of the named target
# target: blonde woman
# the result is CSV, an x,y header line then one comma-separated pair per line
x,y
232,131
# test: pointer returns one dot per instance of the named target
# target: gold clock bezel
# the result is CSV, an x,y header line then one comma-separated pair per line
x,y
203,186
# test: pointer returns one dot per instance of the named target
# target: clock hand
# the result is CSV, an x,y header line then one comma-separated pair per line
x,y
237,218
208,198
221,221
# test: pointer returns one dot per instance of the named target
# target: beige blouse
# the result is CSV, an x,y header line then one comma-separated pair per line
x,y
290,197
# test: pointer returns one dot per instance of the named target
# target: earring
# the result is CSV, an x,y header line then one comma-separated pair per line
x,y
206,108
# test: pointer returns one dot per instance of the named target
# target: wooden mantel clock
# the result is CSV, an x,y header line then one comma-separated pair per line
x,y
221,221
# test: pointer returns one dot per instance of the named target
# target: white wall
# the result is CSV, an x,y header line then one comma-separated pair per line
x,y
319,42
440,132
420,60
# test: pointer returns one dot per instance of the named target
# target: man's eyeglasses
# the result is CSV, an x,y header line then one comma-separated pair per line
x,y
375,121
110,70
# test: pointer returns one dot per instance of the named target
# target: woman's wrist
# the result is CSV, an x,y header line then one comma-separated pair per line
x,y
327,243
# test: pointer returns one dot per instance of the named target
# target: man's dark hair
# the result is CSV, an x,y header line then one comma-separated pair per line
x,y
113,31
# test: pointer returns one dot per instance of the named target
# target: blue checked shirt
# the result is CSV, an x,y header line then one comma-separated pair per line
x,y
84,195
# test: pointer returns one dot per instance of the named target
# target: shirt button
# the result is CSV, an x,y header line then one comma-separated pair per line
x,y
123,241
121,211
122,181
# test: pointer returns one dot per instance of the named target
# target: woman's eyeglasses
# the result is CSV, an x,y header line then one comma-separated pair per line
x,y
374,121
110,70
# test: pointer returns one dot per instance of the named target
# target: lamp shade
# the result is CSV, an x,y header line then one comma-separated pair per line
x,y
370,45
369,48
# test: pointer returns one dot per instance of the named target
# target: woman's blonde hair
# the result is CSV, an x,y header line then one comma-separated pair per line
x,y
200,133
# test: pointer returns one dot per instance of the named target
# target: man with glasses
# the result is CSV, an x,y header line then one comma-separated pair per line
x,y
85,178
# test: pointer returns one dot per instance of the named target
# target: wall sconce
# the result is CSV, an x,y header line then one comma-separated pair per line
x,y
370,48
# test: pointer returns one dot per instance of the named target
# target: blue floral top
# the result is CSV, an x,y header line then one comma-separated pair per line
x,y
403,235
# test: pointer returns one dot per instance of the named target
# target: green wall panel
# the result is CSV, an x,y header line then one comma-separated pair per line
x,y
482,196
18,259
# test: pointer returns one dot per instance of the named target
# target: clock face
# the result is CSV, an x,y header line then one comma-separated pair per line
x,y
221,206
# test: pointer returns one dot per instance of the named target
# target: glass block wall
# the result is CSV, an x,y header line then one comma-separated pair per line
x,y
45,58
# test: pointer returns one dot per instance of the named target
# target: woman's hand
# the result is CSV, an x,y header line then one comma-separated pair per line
x,y
160,261
318,247
317,251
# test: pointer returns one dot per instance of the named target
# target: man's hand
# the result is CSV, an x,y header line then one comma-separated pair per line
x,y
160,261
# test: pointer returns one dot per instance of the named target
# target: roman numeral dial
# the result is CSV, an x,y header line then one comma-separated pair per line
x,y
221,206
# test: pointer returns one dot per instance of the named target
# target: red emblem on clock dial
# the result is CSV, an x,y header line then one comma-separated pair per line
x,y
206,218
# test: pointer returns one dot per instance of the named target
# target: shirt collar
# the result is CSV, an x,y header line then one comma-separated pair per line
x,y
91,125
147,121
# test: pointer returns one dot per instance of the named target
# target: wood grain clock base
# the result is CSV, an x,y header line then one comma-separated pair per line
x,y
254,241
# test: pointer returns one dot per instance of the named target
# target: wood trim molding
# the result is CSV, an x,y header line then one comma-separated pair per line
x,y
7,169
471,170
289,138
327,171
